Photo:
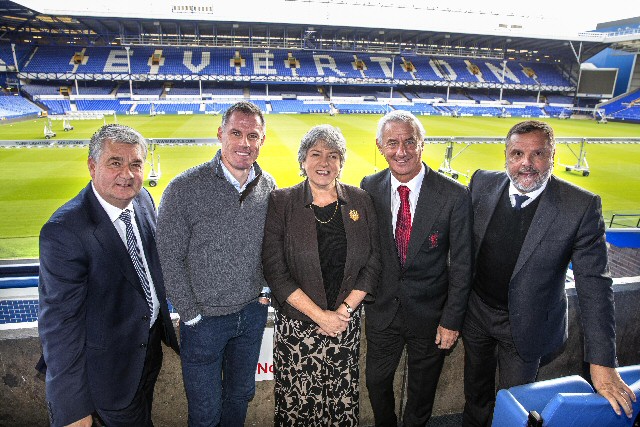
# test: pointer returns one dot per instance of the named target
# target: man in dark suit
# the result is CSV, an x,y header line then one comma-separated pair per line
x,y
103,309
528,226
425,234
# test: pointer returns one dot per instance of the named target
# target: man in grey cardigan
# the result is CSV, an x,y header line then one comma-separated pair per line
x,y
210,229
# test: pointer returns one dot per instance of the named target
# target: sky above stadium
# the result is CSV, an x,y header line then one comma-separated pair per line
x,y
484,16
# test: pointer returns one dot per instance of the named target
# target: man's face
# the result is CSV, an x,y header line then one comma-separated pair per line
x,y
241,139
529,160
118,174
402,147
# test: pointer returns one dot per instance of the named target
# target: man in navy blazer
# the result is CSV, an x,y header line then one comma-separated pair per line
x,y
100,326
528,226
421,299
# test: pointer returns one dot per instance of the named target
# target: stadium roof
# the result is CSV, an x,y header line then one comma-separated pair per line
x,y
22,24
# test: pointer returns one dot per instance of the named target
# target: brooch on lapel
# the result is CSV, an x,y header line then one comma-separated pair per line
x,y
433,239
354,215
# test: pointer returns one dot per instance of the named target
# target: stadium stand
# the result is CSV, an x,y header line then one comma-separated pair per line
x,y
626,107
57,106
12,107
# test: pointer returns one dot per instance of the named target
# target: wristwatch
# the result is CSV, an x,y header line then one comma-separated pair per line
x,y
349,309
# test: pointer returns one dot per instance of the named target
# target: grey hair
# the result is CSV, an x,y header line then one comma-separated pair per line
x,y
331,136
115,133
247,108
529,126
400,116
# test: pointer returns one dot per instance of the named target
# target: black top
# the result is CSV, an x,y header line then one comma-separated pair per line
x,y
332,246
500,249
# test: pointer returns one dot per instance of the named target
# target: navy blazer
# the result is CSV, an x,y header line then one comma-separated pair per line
x,y
94,318
290,256
434,284
567,227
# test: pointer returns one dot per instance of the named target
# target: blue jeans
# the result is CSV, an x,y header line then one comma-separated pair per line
x,y
219,359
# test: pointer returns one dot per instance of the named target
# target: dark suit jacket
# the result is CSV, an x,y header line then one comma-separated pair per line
x,y
567,226
94,318
433,287
290,256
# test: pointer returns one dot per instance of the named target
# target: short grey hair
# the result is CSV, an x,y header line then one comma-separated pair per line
x,y
529,126
247,108
400,116
331,136
119,134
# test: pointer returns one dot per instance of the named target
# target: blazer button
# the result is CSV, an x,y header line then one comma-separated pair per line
x,y
145,318
143,345
396,299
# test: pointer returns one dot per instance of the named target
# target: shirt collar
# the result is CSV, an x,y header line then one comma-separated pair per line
x,y
414,184
232,179
112,211
532,195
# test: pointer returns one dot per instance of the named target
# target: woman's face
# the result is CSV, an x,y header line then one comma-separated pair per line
x,y
322,165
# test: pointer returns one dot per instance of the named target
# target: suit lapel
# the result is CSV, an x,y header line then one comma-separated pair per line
x,y
485,210
428,208
386,222
109,239
303,222
543,218
144,221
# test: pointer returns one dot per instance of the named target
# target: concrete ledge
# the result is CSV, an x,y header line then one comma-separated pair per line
x,y
23,400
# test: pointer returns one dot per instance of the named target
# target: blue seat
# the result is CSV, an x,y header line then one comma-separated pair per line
x,y
564,402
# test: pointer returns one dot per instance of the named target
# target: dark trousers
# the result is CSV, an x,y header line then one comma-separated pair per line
x,y
424,361
488,345
138,413
219,357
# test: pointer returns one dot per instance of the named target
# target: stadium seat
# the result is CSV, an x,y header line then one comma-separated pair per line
x,y
563,402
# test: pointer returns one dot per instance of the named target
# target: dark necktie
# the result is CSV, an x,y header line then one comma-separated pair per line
x,y
520,199
403,224
134,253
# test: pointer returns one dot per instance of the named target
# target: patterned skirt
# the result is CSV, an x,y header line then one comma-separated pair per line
x,y
316,377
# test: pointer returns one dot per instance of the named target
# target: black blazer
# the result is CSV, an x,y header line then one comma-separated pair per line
x,y
94,318
290,257
567,227
433,287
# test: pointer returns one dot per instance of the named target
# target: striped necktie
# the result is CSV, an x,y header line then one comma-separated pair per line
x,y
403,224
134,253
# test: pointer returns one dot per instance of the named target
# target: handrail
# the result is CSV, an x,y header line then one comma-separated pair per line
x,y
620,215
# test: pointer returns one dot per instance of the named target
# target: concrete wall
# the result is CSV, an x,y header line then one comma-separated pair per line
x,y
22,400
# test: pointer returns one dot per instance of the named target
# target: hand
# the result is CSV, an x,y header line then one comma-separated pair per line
x,y
608,384
446,338
343,311
85,422
264,300
332,323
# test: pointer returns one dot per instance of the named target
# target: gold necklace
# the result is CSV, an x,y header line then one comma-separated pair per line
x,y
330,219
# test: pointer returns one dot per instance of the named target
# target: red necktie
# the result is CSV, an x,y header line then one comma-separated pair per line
x,y
403,224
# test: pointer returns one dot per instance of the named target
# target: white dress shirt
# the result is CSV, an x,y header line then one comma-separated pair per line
x,y
531,196
114,215
414,185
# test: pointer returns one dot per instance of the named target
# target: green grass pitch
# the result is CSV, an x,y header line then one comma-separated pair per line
x,y
34,182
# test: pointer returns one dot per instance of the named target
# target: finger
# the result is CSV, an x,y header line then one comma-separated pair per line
x,y
438,338
612,401
629,392
625,402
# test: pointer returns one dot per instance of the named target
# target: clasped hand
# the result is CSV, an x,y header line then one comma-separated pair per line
x,y
333,323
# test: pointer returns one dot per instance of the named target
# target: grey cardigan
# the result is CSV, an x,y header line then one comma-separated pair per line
x,y
209,240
